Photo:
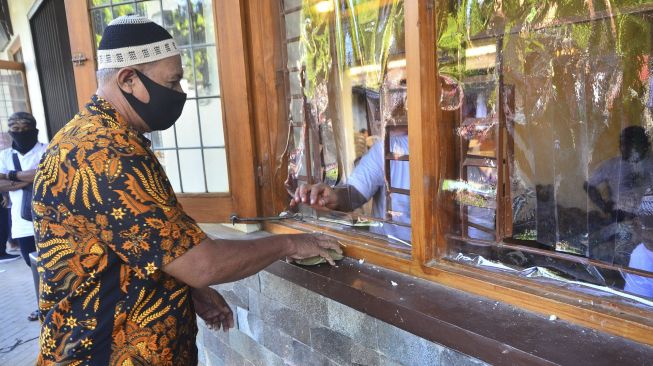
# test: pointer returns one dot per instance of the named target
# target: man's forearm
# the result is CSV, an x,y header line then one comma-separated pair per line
x,y
23,176
596,197
349,198
220,261
8,185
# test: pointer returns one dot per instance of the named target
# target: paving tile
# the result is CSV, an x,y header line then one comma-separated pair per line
x,y
295,297
295,324
18,336
353,323
252,351
406,348
451,357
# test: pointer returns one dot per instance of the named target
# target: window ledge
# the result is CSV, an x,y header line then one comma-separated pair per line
x,y
492,331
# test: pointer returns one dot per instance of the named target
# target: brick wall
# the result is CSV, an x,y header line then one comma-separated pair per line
x,y
280,323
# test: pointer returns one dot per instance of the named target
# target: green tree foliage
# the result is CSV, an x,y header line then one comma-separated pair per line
x,y
355,33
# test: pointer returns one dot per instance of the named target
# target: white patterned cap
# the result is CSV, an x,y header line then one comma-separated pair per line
x,y
132,40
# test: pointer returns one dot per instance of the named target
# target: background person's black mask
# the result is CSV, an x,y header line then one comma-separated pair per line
x,y
24,141
165,104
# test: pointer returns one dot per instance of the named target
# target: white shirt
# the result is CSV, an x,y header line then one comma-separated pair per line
x,y
640,258
627,181
20,228
369,179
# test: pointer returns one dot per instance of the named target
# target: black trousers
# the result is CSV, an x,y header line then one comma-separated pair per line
x,y
27,245
5,228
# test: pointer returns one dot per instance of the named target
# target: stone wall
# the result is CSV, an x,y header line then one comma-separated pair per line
x,y
280,323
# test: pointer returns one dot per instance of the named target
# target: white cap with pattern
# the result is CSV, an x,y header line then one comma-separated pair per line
x,y
132,40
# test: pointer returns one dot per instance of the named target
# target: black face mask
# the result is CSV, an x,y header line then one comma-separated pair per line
x,y
165,104
24,141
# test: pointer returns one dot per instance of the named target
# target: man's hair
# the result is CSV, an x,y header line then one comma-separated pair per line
x,y
105,76
635,136
22,117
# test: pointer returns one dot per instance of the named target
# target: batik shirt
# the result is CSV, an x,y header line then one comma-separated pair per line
x,y
106,221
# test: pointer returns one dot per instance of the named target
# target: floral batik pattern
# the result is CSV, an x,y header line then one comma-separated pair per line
x,y
106,221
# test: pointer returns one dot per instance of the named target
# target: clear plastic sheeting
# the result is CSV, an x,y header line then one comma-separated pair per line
x,y
546,108
347,111
544,273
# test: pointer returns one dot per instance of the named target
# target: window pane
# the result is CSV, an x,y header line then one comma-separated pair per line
x,y
206,71
291,4
203,28
217,177
126,9
192,170
347,82
192,26
100,19
177,21
292,25
549,115
211,121
94,3
188,82
151,10
188,132
164,139
294,55
168,159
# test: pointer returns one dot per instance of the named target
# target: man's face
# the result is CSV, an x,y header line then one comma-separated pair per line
x,y
167,72
20,126
634,151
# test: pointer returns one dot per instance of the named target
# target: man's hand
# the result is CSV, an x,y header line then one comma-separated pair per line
x,y
212,308
313,245
318,194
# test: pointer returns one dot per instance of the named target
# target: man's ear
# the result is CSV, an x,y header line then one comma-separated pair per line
x,y
126,79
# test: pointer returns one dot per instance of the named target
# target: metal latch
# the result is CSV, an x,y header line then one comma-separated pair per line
x,y
79,59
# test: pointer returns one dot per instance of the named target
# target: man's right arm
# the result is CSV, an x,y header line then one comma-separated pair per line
x,y
8,185
342,198
216,261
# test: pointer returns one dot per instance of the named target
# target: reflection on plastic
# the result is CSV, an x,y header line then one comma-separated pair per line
x,y
547,110
347,70
545,273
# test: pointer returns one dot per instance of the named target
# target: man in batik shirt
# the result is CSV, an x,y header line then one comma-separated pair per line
x,y
123,268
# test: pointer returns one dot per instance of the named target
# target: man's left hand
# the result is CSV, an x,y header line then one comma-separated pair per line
x,y
212,308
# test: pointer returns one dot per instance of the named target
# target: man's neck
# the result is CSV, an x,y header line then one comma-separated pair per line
x,y
120,104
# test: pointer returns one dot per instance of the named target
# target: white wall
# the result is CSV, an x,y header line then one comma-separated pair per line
x,y
18,10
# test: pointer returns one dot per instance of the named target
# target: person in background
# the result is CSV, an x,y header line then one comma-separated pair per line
x,y
616,187
5,227
124,270
642,256
17,169
367,182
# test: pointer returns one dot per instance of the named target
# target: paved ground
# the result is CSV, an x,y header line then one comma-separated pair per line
x,y
18,336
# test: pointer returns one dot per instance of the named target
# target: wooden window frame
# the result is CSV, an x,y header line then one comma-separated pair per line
x,y
18,66
430,229
14,47
232,65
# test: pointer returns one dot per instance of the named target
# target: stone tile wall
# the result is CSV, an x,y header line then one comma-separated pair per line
x,y
280,323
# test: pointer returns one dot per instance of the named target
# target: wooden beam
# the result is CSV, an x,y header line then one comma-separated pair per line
x,y
11,65
270,110
207,208
230,23
423,131
568,305
81,42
